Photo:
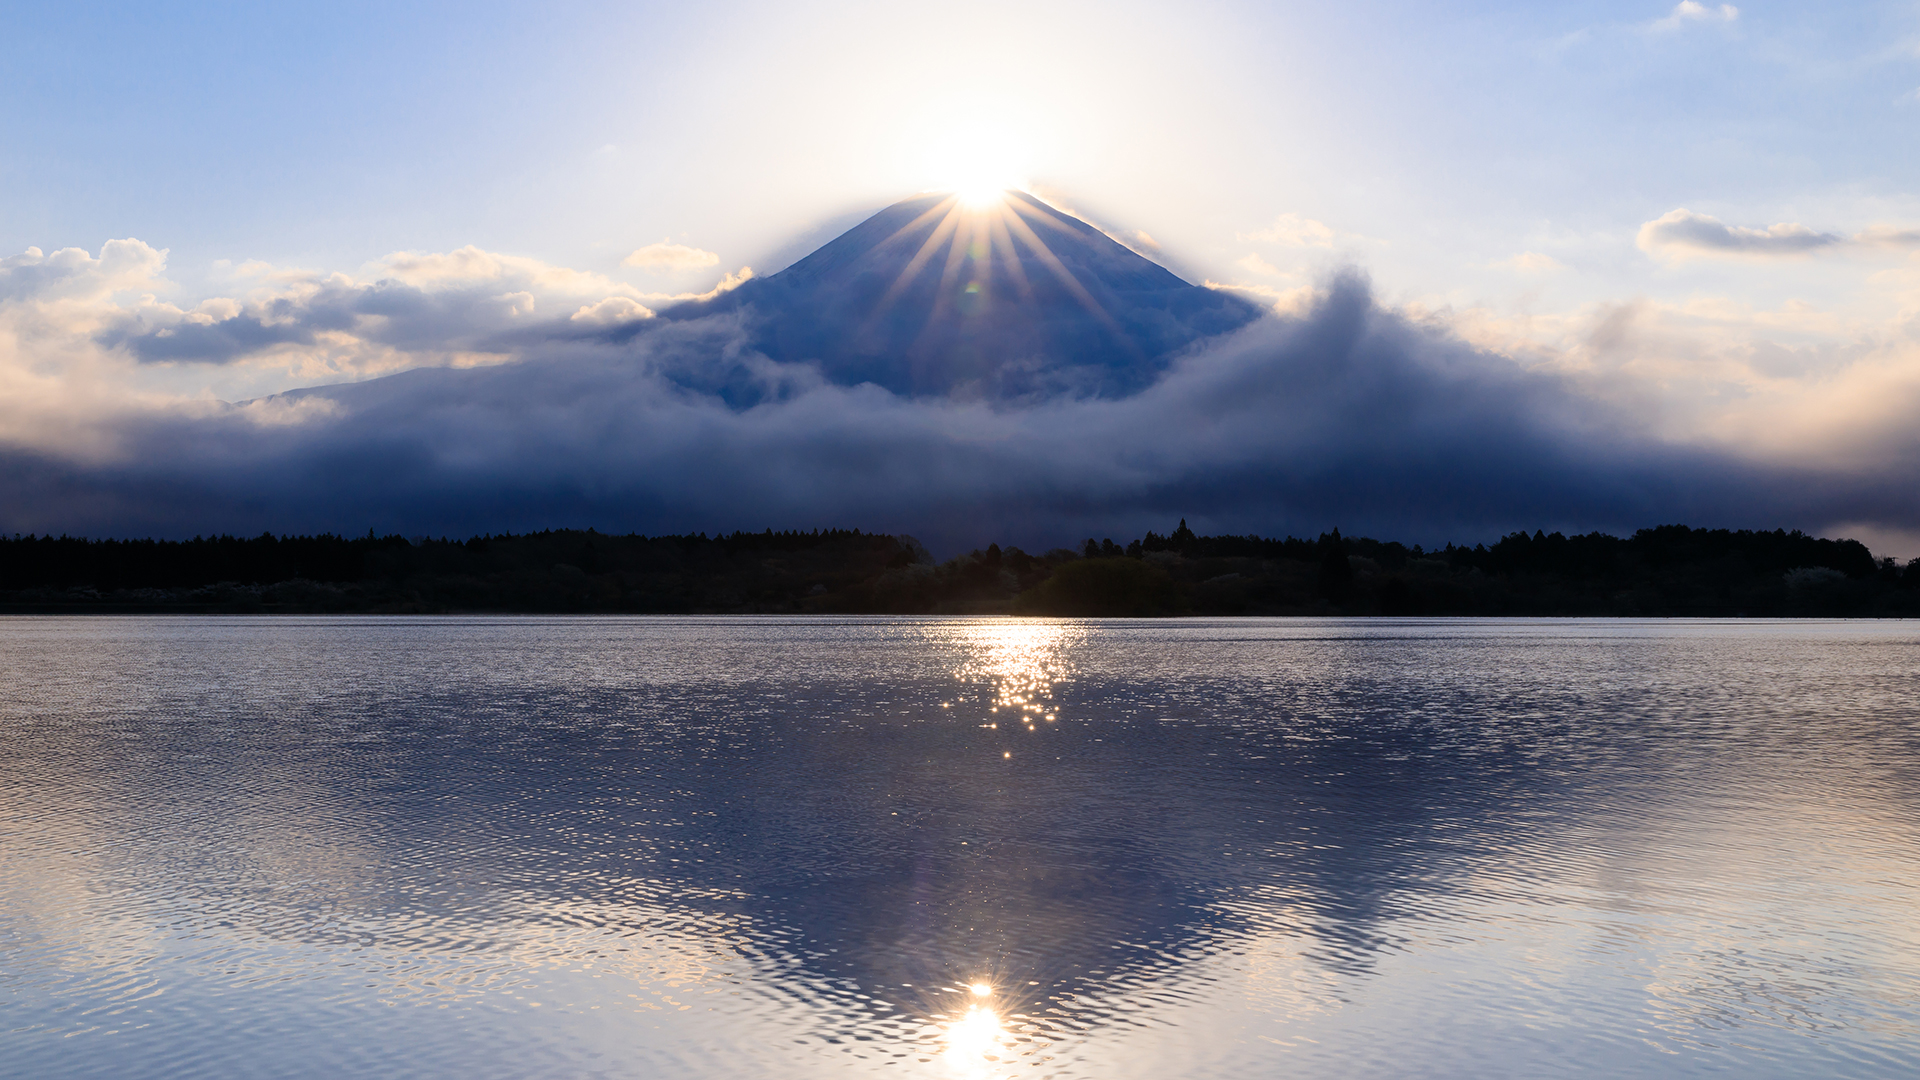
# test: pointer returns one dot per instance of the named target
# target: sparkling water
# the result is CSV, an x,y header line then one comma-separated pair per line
x,y
758,847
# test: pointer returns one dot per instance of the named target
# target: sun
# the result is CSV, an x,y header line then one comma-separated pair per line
x,y
978,161
979,180
980,196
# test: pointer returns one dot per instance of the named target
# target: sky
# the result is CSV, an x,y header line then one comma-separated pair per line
x,y
1696,221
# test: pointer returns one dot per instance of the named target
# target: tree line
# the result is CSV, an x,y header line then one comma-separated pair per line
x,y
1664,571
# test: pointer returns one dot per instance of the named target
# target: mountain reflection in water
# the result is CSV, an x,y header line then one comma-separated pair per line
x,y
725,847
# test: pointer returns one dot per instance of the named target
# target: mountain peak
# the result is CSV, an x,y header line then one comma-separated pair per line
x,y
1007,300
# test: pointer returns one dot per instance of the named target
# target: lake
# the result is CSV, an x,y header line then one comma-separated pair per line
x,y
763,847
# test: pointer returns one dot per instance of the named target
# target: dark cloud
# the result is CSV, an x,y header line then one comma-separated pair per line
x,y
213,343
1349,415
387,312
1681,232
1684,229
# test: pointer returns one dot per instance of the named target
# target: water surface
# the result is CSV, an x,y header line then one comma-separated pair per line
x,y
786,848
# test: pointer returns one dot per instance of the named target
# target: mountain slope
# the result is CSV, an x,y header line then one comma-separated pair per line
x,y
1007,301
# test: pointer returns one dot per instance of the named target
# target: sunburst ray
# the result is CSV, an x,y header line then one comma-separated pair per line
x,y
1052,262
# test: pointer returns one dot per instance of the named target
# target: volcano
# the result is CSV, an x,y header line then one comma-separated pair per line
x,y
1005,301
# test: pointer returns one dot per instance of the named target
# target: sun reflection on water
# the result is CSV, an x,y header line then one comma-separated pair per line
x,y
972,1041
976,1042
1020,662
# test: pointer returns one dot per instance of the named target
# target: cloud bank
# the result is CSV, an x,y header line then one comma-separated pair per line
x,y
589,413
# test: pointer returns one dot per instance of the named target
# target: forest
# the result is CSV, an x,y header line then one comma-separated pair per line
x,y
1671,570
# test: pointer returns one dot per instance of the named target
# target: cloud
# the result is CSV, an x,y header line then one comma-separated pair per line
x,y
83,337
58,389
71,274
1787,387
1887,236
1294,301
1347,413
1292,230
87,341
613,311
408,310
551,397
1688,11
1135,240
727,283
1254,264
1532,262
671,257
1681,233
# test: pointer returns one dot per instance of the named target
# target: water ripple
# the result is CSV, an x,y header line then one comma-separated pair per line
x,y
763,847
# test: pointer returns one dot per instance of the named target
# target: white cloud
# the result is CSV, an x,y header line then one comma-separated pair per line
x,y
1292,230
470,266
671,257
1135,240
1294,301
1531,262
1688,11
612,311
1792,385
442,268
59,389
1887,236
728,282
72,274
1254,264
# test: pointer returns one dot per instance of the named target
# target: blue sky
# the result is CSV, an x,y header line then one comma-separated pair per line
x,y
1449,136
1704,212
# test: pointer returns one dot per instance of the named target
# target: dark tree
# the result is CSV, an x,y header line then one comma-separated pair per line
x,y
1336,574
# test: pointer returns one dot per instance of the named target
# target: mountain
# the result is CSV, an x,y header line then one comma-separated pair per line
x,y
1011,300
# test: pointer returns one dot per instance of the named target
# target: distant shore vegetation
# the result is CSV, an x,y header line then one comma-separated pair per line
x,y
1672,570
